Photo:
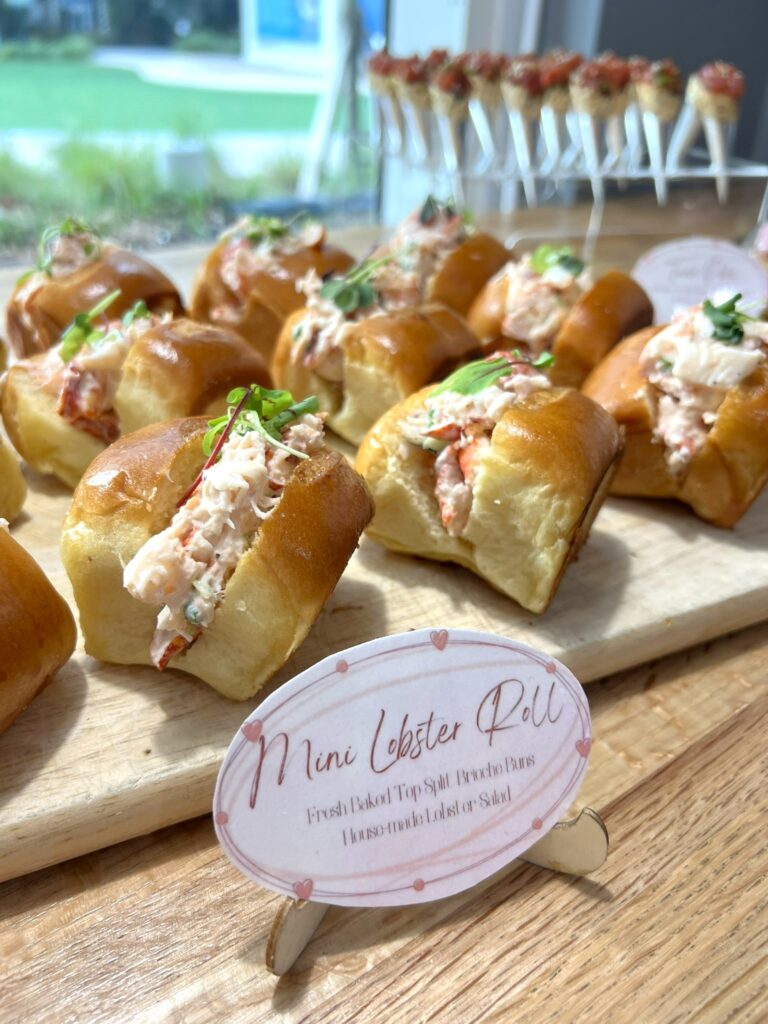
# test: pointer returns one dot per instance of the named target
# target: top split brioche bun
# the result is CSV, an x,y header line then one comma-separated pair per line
x,y
129,494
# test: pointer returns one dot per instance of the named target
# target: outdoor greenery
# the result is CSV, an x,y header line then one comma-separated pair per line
x,y
72,97
121,192
69,48
208,41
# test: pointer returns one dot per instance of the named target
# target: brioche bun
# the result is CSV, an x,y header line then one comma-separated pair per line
x,y
272,294
386,357
13,486
174,369
727,473
613,307
183,368
461,275
539,486
37,631
55,305
280,584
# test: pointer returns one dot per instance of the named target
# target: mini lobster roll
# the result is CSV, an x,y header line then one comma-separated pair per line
x,y
75,270
495,469
548,302
111,375
212,546
438,256
249,281
692,397
361,346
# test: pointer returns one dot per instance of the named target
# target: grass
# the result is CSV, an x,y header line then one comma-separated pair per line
x,y
75,98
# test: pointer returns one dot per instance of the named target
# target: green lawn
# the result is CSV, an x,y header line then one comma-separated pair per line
x,y
80,97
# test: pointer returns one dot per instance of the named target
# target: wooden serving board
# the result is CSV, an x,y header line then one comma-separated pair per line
x,y
110,752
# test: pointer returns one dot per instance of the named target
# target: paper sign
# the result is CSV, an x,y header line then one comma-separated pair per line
x,y
683,273
403,770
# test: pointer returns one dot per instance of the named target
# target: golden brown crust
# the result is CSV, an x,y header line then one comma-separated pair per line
x,y
37,631
615,306
272,295
724,477
538,488
183,368
385,358
273,597
464,272
60,299
13,486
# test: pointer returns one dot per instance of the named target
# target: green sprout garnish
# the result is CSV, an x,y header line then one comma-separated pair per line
x,y
137,312
260,409
354,290
265,229
434,208
547,257
477,376
728,322
68,228
83,331
253,408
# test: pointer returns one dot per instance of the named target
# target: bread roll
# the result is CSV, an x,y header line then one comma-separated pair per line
x,y
537,490
36,316
612,308
37,631
385,358
175,368
268,292
724,477
277,590
13,486
183,368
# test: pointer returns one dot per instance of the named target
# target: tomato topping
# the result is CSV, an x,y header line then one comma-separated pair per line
x,y
664,74
607,75
382,63
638,66
485,65
524,71
434,60
556,67
723,79
412,70
452,79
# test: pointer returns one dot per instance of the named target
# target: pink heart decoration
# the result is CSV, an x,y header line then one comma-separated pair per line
x,y
341,666
584,746
551,667
252,730
439,638
418,885
221,818
304,889
536,824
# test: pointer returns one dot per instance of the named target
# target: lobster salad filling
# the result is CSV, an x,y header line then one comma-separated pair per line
x,y
256,244
692,364
423,241
63,249
83,370
458,419
252,454
542,288
331,309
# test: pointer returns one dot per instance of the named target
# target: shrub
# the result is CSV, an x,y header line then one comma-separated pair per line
x,y
68,48
208,41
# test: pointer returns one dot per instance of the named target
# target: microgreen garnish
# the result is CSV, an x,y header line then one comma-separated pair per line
x,y
354,290
547,257
477,376
68,228
269,229
137,312
728,322
434,208
665,364
83,330
254,408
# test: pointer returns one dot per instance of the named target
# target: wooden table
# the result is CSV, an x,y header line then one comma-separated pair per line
x,y
674,926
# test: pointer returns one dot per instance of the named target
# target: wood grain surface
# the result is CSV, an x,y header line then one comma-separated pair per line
x,y
110,752
672,928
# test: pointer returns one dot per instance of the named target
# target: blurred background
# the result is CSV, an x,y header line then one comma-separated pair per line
x,y
162,120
